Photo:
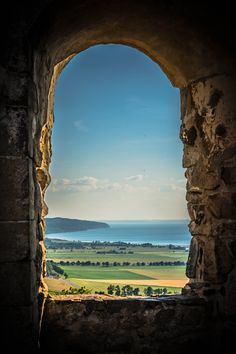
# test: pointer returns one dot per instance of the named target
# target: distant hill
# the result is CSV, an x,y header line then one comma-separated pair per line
x,y
57,225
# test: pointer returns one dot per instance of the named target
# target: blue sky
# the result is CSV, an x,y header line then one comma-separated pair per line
x,y
116,148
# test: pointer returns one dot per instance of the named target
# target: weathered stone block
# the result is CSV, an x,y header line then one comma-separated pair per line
x,y
13,132
228,175
17,283
14,189
16,89
228,208
200,229
186,102
214,205
224,258
192,258
210,265
194,196
191,156
222,205
18,55
14,241
199,176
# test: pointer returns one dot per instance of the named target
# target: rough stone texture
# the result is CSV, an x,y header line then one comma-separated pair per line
x,y
14,242
209,106
176,325
13,131
23,279
37,40
14,188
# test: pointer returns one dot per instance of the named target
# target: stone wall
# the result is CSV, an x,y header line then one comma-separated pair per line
x,y
174,325
20,249
208,132
37,40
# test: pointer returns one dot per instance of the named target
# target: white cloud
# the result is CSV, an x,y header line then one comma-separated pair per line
x,y
134,178
79,124
65,181
89,183
114,186
127,185
97,198
121,187
65,184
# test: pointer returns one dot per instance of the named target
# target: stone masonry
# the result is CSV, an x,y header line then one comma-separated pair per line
x,y
193,42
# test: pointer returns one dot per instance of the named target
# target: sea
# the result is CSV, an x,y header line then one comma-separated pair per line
x,y
156,232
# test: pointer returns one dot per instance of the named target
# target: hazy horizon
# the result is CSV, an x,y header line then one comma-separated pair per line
x,y
120,220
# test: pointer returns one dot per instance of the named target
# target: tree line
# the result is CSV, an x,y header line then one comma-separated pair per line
x,y
52,269
54,244
116,290
114,252
120,264
128,290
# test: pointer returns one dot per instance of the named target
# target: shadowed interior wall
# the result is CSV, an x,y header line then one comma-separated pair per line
x,y
186,41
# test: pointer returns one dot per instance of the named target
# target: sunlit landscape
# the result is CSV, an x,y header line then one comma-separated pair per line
x,y
116,157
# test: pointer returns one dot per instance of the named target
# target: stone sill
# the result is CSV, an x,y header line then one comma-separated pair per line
x,y
165,299
98,324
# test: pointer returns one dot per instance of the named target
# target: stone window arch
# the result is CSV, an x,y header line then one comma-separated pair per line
x,y
190,50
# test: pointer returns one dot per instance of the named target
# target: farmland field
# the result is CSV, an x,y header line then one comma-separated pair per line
x,y
140,254
98,277
173,277
57,284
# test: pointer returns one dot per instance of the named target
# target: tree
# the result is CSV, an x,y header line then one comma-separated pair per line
x,y
158,291
65,275
75,291
110,289
129,290
148,291
56,268
123,291
117,290
136,291
164,291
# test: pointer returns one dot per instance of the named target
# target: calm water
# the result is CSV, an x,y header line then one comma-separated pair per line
x,y
155,232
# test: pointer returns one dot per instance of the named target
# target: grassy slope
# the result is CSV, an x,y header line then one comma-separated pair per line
x,y
57,284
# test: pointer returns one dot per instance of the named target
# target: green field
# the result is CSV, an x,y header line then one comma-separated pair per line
x,y
102,273
131,273
96,286
141,254
98,278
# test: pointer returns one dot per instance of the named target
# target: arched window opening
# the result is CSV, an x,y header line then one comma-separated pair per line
x,y
117,220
